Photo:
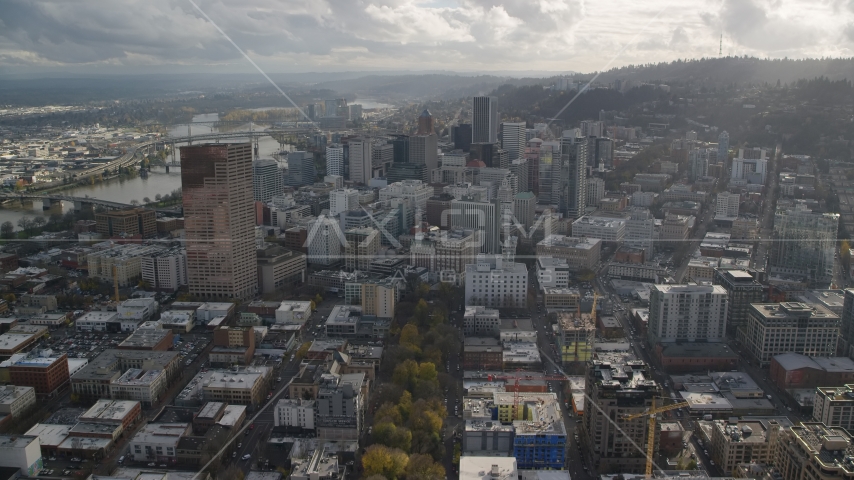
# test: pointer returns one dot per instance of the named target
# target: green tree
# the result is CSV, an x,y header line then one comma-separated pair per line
x,y
390,435
7,229
423,467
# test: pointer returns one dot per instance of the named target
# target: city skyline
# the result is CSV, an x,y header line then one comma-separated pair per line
x,y
455,35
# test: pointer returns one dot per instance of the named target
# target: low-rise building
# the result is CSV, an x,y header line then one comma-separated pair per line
x,y
481,321
15,400
158,442
789,327
605,228
834,406
21,451
148,339
579,253
561,298
795,371
279,268
552,272
178,321
138,309
120,413
294,413
45,374
144,386
814,451
744,441
483,353
92,382
290,311
493,282
339,406
20,337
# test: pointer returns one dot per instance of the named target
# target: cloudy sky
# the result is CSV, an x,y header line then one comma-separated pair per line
x,y
459,35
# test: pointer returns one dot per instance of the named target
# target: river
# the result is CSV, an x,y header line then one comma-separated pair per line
x,y
136,188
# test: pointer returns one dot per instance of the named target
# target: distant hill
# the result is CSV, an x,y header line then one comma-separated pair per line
x,y
728,70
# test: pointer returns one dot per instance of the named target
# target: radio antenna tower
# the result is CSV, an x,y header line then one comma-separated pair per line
x,y
721,46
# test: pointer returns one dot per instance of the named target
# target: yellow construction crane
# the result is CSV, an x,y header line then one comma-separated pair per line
x,y
650,436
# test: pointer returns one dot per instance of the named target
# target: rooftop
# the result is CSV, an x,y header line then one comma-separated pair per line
x,y
109,410
581,243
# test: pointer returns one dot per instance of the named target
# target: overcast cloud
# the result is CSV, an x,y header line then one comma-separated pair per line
x,y
460,35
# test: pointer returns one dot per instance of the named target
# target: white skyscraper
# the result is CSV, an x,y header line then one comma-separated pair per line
x,y
484,124
324,241
592,128
360,160
804,244
492,282
513,139
267,180
595,191
687,313
640,231
335,160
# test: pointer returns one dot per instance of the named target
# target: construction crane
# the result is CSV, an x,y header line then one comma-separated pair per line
x,y
526,376
650,436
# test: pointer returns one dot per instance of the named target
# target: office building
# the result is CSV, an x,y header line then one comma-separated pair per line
x,y
814,451
804,244
361,248
93,381
130,222
16,400
301,169
675,229
640,231
164,270
343,200
750,165
492,282
144,386
279,268
513,139
461,135
294,413
158,442
479,321
484,125
474,215
742,290
698,163
789,327
219,220
605,228
595,191
335,160
619,387
552,272
339,407
834,406
539,441
447,250
424,150
726,206
361,157
138,309
579,253
679,313
416,191
44,374
745,441
524,209
267,180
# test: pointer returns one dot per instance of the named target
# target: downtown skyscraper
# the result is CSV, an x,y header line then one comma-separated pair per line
x,y
573,176
484,128
219,220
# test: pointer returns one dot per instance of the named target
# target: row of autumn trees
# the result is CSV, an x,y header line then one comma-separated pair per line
x,y
407,424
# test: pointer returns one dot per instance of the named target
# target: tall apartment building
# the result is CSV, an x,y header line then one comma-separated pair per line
x,y
573,177
751,165
335,160
789,327
513,139
618,388
361,249
804,244
483,216
726,205
361,157
484,125
267,180
723,147
690,313
165,270
640,231
742,290
132,221
814,451
219,220
493,282
343,200
834,406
